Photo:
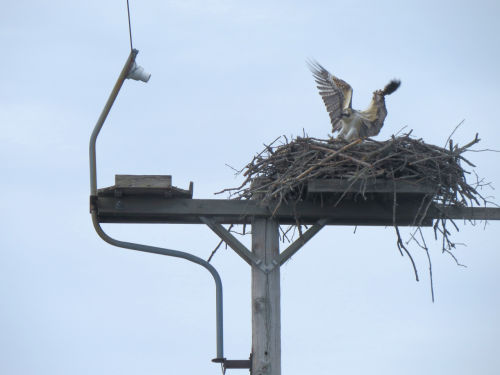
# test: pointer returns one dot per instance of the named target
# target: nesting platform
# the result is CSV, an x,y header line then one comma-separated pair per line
x,y
379,187
153,199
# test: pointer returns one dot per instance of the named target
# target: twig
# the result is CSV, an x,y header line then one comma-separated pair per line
x,y
217,247
426,249
453,132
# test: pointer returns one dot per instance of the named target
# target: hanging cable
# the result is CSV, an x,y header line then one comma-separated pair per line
x,y
129,27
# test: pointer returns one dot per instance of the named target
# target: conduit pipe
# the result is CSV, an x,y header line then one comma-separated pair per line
x,y
128,68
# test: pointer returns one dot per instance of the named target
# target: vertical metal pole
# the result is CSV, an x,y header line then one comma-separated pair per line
x,y
266,324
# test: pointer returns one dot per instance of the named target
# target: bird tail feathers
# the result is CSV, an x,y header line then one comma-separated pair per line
x,y
391,87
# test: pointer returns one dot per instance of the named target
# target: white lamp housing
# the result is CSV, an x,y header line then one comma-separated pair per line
x,y
138,73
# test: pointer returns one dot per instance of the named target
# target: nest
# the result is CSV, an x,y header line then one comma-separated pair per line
x,y
280,172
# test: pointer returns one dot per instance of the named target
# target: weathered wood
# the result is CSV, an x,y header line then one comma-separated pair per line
x,y
468,213
301,241
266,324
145,186
370,186
232,241
142,181
155,209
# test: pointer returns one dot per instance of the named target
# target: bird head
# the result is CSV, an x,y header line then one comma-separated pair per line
x,y
346,112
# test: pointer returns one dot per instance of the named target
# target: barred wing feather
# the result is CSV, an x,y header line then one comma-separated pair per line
x,y
336,93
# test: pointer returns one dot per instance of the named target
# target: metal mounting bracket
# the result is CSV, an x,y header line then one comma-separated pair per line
x,y
234,363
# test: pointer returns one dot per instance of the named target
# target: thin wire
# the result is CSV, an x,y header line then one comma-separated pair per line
x,y
129,27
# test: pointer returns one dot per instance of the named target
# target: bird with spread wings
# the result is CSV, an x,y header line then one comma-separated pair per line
x,y
337,96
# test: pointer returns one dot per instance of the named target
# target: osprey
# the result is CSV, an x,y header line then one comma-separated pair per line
x,y
337,96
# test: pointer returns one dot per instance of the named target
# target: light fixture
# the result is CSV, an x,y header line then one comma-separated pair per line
x,y
138,73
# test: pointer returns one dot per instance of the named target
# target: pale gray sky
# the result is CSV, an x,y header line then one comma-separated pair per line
x,y
228,76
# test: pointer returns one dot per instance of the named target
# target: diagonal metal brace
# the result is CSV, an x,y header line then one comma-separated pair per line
x,y
301,241
232,241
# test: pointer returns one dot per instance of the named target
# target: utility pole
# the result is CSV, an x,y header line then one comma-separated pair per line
x,y
152,199
266,324
154,203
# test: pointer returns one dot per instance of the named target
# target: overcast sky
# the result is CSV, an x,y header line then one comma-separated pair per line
x,y
228,76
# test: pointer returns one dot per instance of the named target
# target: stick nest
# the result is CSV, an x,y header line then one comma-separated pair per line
x,y
280,172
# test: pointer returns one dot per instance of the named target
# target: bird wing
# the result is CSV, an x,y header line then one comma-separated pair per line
x,y
336,93
375,114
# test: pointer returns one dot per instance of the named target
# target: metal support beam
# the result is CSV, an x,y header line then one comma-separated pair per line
x,y
301,241
238,363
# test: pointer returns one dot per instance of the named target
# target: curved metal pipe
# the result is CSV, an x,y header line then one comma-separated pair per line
x,y
176,254
138,247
